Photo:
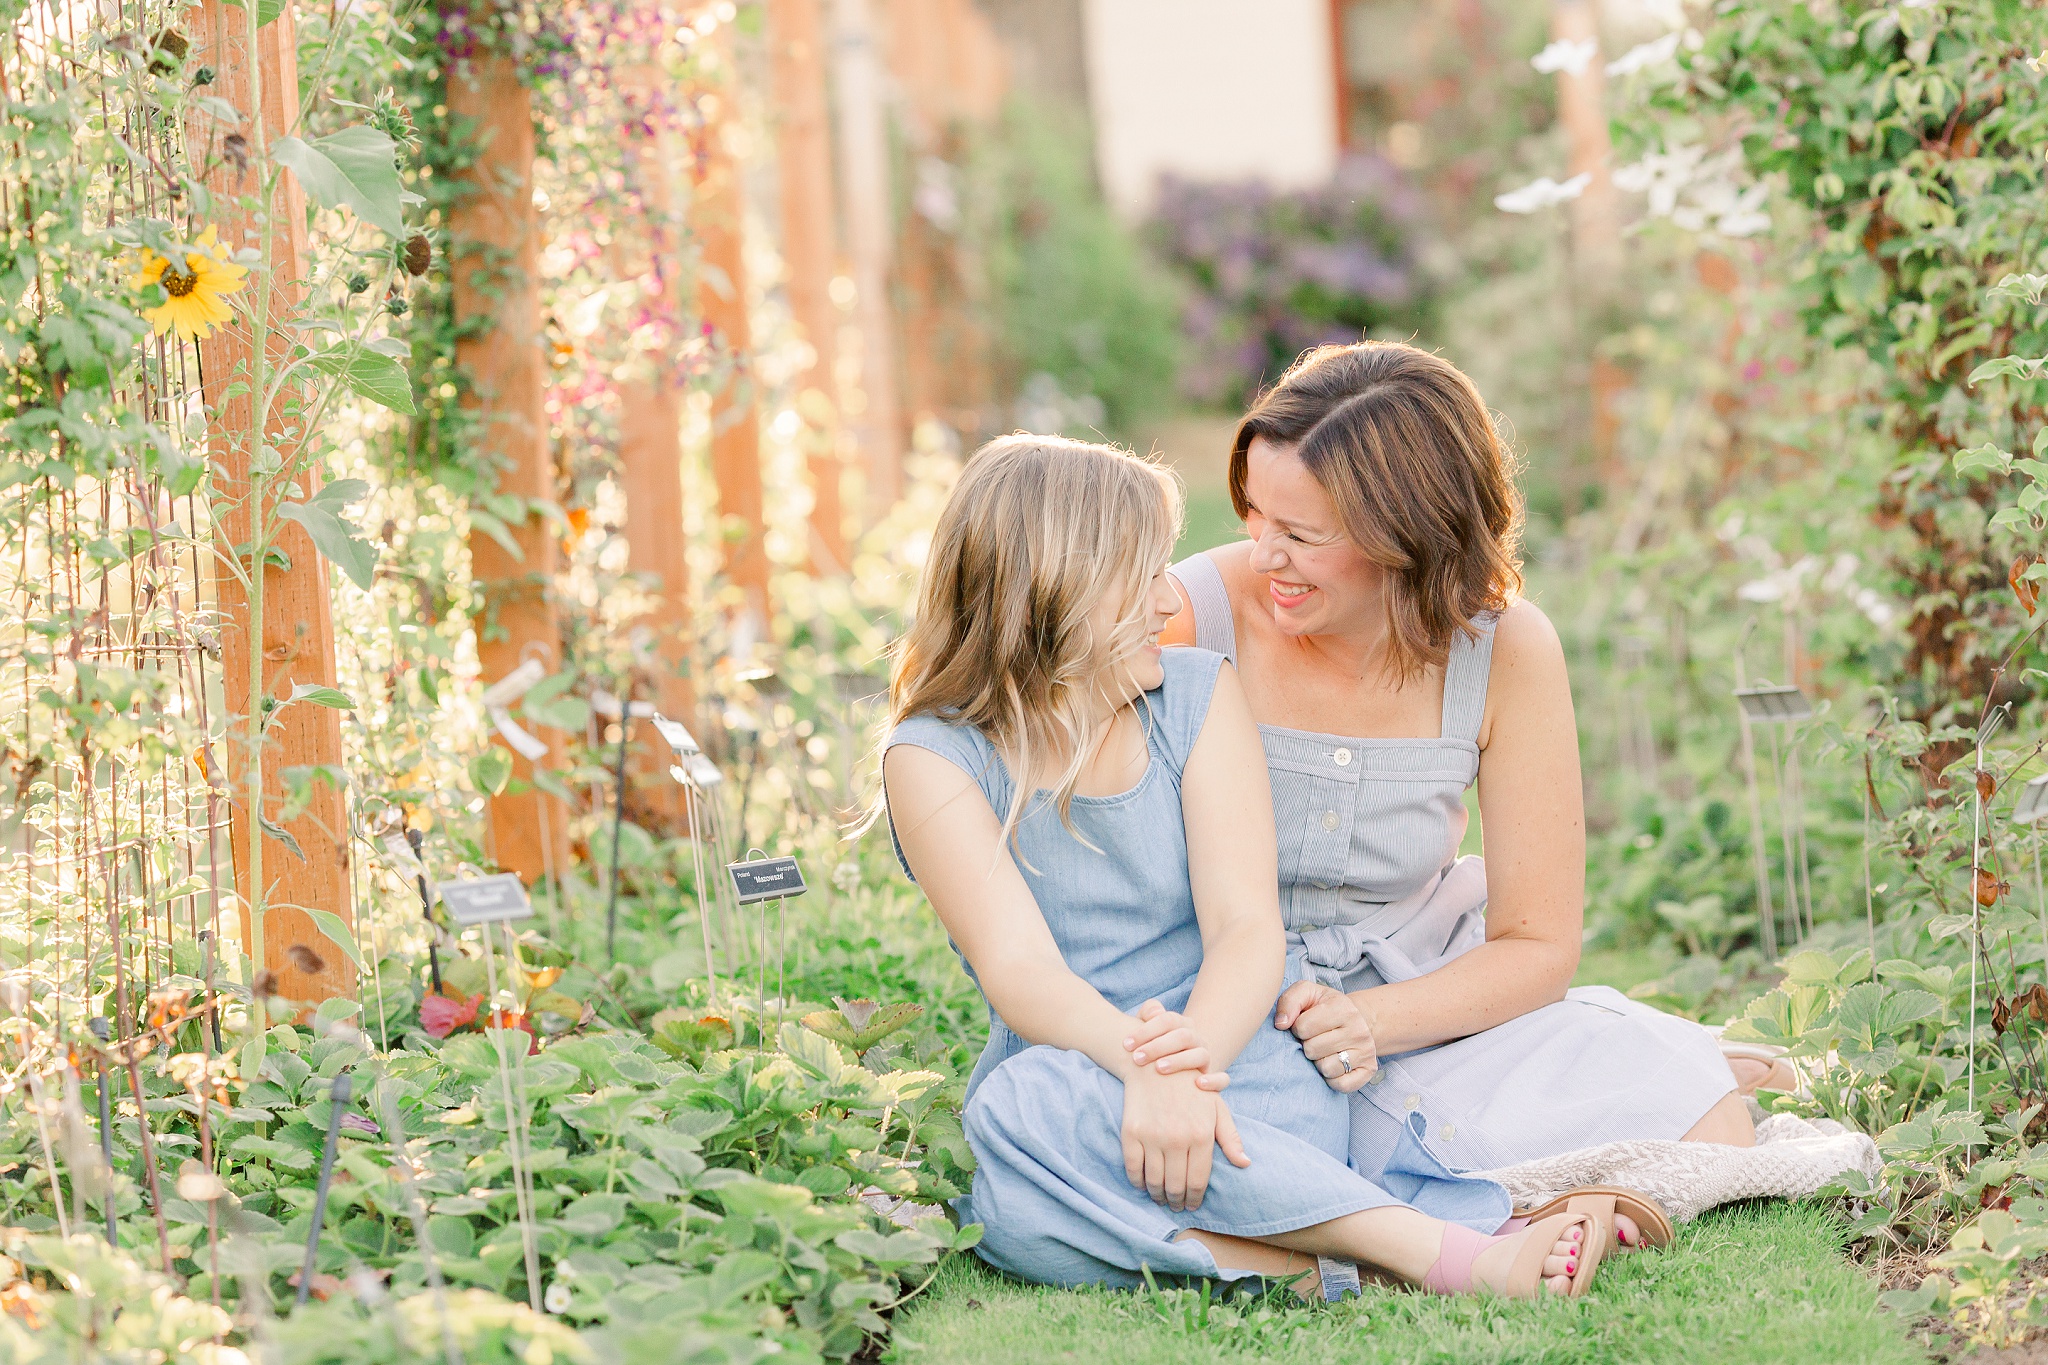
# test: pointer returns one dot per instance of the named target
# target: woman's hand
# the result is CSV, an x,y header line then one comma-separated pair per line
x,y
1329,1022
1171,1129
1166,1043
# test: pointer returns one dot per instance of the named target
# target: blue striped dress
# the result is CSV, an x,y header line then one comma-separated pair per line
x,y
1372,891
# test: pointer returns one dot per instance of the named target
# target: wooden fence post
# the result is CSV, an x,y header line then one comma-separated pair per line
x,y
296,635
718,219
809,237
650,439
864,168
494,256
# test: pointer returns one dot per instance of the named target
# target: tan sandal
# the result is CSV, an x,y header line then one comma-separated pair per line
x,y
1783,1075
1602,1202
1453,1273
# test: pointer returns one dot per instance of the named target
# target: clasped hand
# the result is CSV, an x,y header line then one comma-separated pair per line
x,y
1334,1033
1174,1115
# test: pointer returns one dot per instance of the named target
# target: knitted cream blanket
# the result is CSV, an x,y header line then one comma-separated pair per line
x,y
1792,1158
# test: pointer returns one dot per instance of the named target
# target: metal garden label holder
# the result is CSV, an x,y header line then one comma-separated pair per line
x,y
1775,707
699,777
481,902
758,880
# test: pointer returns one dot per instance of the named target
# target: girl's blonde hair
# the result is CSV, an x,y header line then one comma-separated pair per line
x,y
1039,530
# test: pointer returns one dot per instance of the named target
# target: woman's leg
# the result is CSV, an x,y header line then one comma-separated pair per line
x,y
1728,1123
1398,1240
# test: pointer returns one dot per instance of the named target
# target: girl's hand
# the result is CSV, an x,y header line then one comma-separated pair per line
x,y
1329,1022
1171,1129
1164,1042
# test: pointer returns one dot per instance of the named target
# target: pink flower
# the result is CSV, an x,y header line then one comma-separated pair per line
x,y
441,1016
1753,371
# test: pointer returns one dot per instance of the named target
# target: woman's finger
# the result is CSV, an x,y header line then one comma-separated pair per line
x,y
1294,1000
1227,1138
1134,1160
1326,1015
1353,1079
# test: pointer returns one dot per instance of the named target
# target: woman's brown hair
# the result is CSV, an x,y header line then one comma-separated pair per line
x,y
1403,445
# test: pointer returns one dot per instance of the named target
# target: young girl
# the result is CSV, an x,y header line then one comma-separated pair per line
x,y
1090,817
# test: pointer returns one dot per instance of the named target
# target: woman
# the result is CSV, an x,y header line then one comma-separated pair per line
x,y
1374,620
1070,799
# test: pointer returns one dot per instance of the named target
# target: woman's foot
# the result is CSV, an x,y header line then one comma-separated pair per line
x,y
1548,1257
1626,1233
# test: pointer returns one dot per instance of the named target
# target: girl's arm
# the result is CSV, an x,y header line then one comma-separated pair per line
x,y
1532,813
953,843
1233,866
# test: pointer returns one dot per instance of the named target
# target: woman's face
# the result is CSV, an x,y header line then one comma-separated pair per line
x,y
1122,673
1317,581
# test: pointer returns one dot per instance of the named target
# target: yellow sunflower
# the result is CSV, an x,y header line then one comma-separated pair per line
x,y
198,291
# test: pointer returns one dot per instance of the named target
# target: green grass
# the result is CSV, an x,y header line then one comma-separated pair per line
x,y
1742,1286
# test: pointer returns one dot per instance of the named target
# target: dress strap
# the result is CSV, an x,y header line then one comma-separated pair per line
x,y
1202,581
1465,675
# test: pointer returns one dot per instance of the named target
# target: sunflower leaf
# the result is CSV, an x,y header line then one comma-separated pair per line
x,y
331,534
368,374
356,167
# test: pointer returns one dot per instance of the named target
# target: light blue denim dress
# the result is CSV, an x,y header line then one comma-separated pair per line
x,y
1372,891
1045,1123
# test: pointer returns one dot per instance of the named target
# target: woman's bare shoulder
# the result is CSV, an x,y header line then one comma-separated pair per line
x,y
1233,562
1524,635
1527,677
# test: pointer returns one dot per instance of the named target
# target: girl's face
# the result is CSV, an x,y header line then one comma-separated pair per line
x,y
1317,581
1121,673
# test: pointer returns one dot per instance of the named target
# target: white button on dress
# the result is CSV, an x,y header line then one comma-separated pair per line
x,y
1412,1103
1329,820
1343,757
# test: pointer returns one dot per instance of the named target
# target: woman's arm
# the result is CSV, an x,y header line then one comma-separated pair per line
x,y
1233,866
1532,815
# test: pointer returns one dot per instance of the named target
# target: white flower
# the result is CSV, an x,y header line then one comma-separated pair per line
x,y
1542,193
556,1300
1566,56
1653,53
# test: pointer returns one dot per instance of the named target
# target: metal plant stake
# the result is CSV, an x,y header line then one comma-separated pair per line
x,y
417,842
338,1096
769,879
101,1031
611,707
1774,706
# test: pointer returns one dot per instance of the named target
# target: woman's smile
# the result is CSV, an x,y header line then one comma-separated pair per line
x,y
1287,596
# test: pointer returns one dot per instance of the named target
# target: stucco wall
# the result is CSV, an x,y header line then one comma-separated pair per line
x,y
1210,90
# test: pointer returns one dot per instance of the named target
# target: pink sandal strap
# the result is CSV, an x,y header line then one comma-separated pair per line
x,y
1452,1273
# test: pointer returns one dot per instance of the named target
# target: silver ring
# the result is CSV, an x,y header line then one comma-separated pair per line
x,y
1345,1059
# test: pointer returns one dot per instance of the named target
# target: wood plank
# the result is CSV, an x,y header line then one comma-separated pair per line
x,y
494,250
297,629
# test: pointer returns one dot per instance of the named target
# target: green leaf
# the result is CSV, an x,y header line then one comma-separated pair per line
x,y
369,374
2013,366
356,167
337,930
336,538
266,10
491,770
1987,457
283,836
318,695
